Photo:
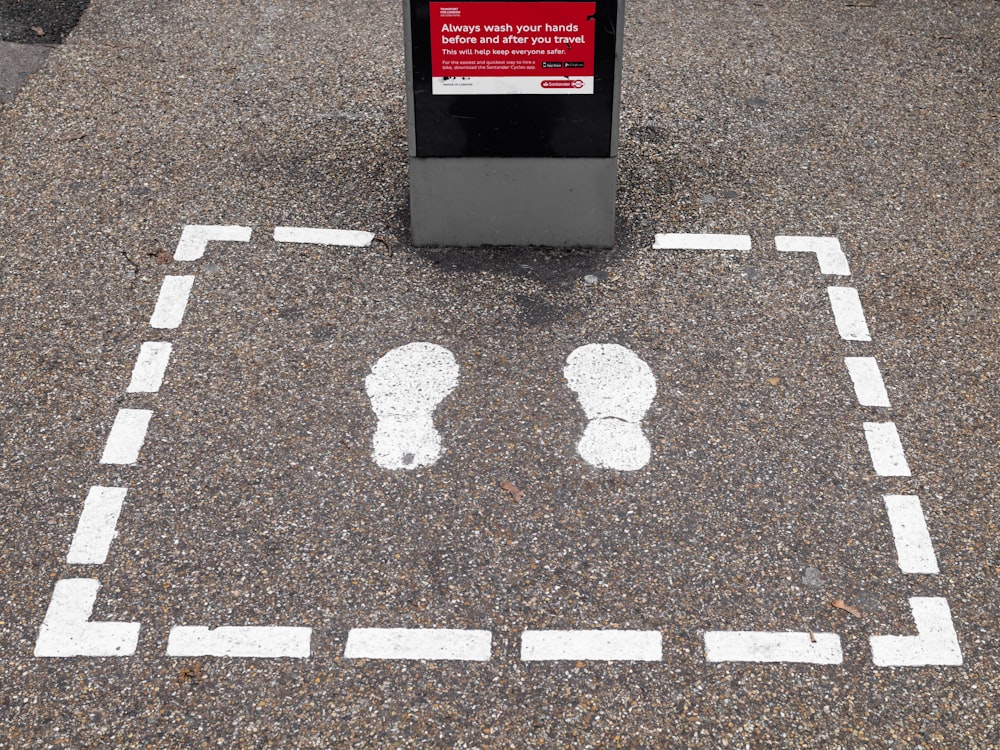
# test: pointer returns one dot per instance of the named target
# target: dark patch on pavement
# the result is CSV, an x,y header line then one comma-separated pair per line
x,y
552,266
28,29
22,20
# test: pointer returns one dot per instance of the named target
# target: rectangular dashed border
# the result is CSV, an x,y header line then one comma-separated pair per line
x,y
67,630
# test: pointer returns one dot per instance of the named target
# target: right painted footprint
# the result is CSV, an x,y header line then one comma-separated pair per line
x,y
615,389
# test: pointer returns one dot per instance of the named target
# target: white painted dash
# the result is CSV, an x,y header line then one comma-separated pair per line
x,y
592,645
760,646
832,260
886,449
936,642
681,241
173,299
150,366
67,630
867,379
127,436
195,237
418,643
317,236
248,642
913,541
848,314
96,527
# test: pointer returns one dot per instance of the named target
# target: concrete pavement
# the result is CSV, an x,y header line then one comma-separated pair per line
x,y
220,530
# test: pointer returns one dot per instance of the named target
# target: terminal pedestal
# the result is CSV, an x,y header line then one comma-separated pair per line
x,y
518,201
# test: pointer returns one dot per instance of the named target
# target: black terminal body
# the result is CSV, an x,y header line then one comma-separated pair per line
x,y
522,125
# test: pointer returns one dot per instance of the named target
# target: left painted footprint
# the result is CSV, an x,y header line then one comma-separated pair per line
x,y
405,387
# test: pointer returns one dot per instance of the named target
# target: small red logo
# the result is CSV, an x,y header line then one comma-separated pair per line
x,y
562,83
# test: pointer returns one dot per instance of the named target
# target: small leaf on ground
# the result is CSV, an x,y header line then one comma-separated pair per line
x,y
839,604
191,674
515,493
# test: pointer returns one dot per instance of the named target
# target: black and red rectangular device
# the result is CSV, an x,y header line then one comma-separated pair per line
x,y
531,78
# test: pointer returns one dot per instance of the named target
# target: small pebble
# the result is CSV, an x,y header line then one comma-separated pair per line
x,y
812,577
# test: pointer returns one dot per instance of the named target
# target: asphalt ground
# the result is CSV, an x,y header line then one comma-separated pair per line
x,y
256,501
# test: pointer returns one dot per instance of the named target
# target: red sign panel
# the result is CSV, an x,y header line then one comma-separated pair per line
x,y
513,48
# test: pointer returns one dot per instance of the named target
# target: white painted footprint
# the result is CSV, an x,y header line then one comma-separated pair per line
x,y
405,387
615,389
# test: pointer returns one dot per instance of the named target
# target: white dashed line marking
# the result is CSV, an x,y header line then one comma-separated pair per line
x,y
591,645
194,238
886,449
847,313
405,387
315,236
680,241
936,643
754,646
127,436
66,630
96,527
909,529
867,379
251,642
173,299
832,260
615,389
419,643
150,366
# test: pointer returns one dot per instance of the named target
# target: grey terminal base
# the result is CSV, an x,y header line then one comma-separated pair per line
x,y
468,202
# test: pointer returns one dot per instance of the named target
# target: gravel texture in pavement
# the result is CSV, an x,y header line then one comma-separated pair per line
x,y
256,499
